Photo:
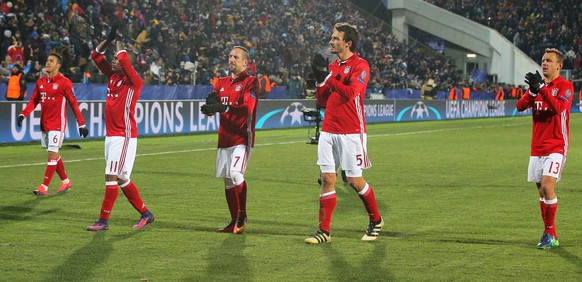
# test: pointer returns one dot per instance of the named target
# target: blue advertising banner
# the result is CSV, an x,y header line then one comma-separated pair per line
x,y
184,116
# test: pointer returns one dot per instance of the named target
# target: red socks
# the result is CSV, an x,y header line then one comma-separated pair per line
x,y
111,192
242,199
61,169
550,217
543,207
132,195
51,167
236,198
232,201
327,203
369,200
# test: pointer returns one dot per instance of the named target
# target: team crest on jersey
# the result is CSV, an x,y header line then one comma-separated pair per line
x,y
55,86
568,93
238,87
554,91
347,69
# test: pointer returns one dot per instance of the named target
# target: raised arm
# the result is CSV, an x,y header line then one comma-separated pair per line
x,y
126,66
99,59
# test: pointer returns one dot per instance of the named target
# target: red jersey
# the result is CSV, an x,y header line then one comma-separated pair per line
x,y
551,117
342,96
52,94
237,124
122,93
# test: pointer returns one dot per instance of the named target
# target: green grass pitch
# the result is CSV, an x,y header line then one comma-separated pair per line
x,y
453,193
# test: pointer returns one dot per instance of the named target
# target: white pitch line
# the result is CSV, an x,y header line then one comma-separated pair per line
x,y
272,144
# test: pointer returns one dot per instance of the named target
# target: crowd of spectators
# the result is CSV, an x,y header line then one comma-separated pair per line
x,y
183,42
532,26
172,40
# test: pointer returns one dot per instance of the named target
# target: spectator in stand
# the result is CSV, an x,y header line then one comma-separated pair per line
x,y
16,89
295,87
265,85
429,90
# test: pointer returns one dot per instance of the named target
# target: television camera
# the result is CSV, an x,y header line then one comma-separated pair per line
x,y
312,115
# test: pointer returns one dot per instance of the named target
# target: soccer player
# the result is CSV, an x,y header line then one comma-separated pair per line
x,y
235,98
52,92
123,91
340,89
550,99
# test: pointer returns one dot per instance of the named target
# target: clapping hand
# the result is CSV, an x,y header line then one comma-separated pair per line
x,y
319,66
535,81
209,109
212,98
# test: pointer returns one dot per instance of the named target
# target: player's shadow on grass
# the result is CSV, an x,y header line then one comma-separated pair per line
x,y
24,211
86,262
569,257
227,261
208,223
369,269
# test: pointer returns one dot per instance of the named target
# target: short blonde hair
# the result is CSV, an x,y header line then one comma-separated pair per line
x,y
557,52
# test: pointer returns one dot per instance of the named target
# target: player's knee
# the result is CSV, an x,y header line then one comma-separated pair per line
x,y
328,178
546,189
237,177
109,177
122,182
228,183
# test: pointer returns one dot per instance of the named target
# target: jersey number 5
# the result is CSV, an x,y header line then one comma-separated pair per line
x,y
359,160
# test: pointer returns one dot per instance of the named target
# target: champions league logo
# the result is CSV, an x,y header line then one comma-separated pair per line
x,y
419,111
289,116
294,112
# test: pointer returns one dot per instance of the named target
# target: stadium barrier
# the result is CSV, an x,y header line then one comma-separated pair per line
x,y
95,92
184,116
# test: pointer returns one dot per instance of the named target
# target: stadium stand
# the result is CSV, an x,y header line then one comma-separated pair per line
x,y
182,42
532,26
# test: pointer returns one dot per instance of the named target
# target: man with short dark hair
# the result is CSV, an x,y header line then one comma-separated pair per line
x,y
341,87
51,92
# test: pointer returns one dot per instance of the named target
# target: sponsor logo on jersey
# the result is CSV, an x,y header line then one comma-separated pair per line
x,y
347,69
